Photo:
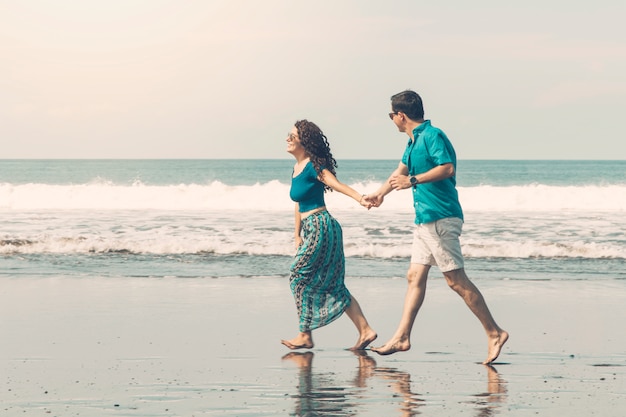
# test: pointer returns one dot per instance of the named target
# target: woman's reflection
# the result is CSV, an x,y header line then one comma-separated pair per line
x,y
318,394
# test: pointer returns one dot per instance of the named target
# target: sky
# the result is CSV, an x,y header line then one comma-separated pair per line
x,y
539,79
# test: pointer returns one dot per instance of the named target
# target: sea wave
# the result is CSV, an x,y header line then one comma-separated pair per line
x,y
256,246
273,196
368,234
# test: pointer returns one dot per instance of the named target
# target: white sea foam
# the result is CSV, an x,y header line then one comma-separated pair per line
x,y
373,234
280,244
274,196
186,218
531,221
537,197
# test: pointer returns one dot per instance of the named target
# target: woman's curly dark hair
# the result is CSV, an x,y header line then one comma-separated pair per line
x,y
316,145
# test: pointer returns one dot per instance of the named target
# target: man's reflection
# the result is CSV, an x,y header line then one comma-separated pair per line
x,y
490,401
400,383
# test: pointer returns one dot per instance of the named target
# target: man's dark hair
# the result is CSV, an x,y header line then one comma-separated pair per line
x,y
409,103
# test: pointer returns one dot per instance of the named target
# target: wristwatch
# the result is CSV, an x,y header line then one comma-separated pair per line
x,y
413,180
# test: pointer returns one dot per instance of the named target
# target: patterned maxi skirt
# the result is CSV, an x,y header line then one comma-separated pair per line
x,y
317,272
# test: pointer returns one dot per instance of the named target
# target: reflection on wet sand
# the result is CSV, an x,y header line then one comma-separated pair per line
x,y
321,394
398,381
318,394
491,401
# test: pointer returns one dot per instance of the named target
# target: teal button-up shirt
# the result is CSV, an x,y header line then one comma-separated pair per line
x,y
433,200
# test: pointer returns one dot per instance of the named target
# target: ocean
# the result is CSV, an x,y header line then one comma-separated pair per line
x,y
524,220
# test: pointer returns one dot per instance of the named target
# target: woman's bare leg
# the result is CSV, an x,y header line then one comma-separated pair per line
x,y
366,334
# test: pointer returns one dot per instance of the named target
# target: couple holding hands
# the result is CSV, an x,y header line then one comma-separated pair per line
x,y
428,167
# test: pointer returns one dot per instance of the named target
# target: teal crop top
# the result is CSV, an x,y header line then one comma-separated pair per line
x,y
307,190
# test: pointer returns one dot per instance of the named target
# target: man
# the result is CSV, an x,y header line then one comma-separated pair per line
x,y
428,166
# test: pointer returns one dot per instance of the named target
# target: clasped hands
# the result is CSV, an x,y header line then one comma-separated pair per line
x,y
397,182
371,200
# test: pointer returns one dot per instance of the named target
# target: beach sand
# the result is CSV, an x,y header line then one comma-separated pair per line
x,y
203,347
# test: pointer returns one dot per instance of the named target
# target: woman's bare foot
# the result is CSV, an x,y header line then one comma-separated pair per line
x,y
364,340
393,346
495,346
302,341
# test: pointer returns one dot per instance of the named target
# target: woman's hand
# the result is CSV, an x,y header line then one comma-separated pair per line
x,y
374,200
298,241
365,202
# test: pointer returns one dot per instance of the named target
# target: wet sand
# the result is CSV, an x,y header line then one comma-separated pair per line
x,y
204,347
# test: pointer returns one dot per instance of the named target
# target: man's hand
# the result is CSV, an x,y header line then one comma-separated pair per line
x,y
400,182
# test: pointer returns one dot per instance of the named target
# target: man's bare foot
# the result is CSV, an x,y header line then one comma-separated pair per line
x,y
495,346
302,341
364,340
392,347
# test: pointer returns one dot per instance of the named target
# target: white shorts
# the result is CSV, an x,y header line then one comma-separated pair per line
x,y
437,244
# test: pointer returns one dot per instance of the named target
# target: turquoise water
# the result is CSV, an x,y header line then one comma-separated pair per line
x,y
249,171
229,218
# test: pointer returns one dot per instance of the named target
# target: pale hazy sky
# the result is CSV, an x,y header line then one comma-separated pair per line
x,y
539,79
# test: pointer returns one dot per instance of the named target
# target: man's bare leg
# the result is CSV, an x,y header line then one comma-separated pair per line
x,y
303,341
460,283
416,290
366,334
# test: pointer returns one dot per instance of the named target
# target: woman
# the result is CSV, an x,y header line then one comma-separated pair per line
x,y
317,272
